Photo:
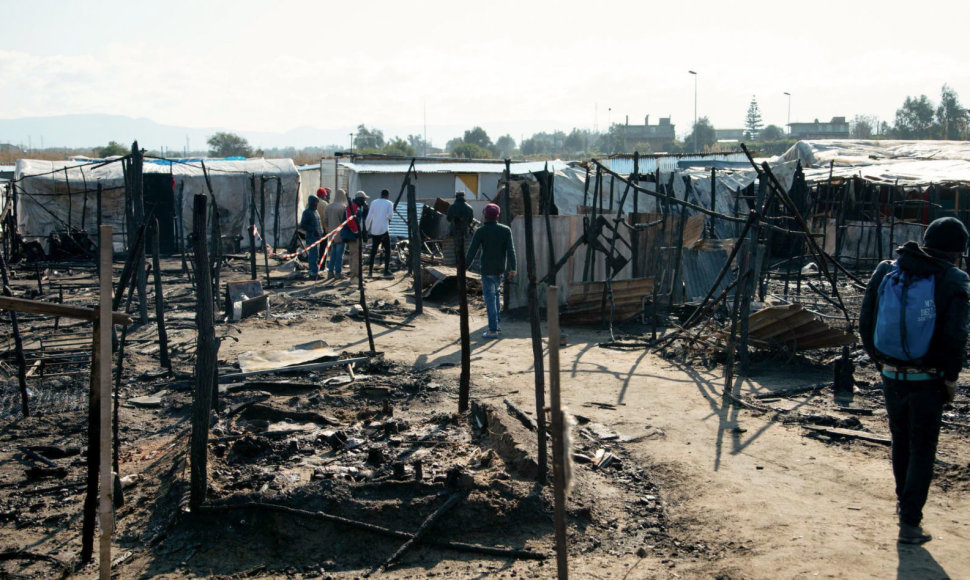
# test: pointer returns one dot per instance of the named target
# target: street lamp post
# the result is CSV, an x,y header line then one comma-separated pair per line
x,y
695,109
789,112
609,126
351,143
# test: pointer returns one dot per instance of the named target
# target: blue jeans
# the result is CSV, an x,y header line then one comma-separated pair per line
x,y
313,257
491,290
336,258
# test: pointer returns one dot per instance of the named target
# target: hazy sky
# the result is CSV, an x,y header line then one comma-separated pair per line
x,y
508,66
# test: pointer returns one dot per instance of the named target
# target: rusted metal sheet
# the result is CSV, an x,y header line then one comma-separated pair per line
x,y
584,305
795,327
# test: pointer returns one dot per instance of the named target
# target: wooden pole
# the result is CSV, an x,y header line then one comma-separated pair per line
x,y
414,230
635,234
103,358
205,360
506,218
276,215
138,204
558,431
533,301
252,227
18,345
159,302
262,225
360,285
464,381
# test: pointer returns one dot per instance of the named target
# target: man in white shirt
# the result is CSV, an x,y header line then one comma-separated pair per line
x,y
378,223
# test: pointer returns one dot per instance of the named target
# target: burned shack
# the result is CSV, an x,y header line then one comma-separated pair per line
x,y
57,202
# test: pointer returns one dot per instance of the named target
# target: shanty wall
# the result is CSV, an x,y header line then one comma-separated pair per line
x,y
860,240
47,202
566,229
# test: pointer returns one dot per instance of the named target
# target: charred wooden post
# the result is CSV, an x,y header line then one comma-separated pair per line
x,y
559,450
533,301
464,381
138,205
205,361
252,227
70,203
18,345
102,361
100,191
414,231
675,287
635,234
710,223
159,301
180,204
660,240
505,215
276,216
731,350
262,226
360,283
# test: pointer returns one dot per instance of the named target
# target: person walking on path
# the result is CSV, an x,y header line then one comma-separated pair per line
x,y
460,215
313,230
352,233
913,325
498,261
378,225
333,217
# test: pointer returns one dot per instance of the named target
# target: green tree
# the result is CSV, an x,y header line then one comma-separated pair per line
x,y
368,139
224,144
771,133
706,135
398,146
752,121
418,143
504,146
914,119
471,151
452,143
951,116
477,136
110,150
576,141
863,126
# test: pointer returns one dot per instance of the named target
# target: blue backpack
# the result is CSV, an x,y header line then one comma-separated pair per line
x,y
906,317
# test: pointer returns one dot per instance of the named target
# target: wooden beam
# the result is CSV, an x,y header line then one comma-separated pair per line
x,y
103,356
558,434
62,310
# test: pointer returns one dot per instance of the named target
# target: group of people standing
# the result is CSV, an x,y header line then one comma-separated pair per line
x,y
356,219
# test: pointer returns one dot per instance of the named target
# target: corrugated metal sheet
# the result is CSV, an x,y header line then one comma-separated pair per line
x,y
450,166
399,220
649,164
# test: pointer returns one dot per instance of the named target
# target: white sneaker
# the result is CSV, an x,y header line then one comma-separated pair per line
x,y
489,334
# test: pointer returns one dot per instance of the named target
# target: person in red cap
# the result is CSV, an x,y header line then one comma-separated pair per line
x,y
498,261
323,195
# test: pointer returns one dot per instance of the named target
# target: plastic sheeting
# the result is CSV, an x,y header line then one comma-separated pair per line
x,y
909,162
49,198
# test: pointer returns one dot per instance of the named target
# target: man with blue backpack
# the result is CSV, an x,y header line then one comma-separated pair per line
x,y
913,325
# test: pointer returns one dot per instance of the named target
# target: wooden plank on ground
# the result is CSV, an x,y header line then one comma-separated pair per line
x,y
850,433
62,310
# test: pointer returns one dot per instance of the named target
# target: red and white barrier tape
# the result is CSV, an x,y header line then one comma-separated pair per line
x,y
303,251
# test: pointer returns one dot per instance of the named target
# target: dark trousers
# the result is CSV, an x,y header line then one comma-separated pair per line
x,y
385,241
915,409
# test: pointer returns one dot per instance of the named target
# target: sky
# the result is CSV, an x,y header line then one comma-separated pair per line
x,y
512,67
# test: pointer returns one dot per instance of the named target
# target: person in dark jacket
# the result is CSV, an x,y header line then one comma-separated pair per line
x,y
313,230
460,215
498,260
916,393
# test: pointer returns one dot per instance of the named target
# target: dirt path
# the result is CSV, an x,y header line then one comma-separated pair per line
x,y
784,505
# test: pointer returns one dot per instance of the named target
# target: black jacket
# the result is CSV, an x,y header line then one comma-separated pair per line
x,y
950,336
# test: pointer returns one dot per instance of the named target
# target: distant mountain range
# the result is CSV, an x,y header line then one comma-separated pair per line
x,y
95,130
79,131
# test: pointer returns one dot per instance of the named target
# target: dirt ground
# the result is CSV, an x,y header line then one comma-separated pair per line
x,y
696,487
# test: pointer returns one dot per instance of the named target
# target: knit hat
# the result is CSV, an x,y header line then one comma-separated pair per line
x,y
323,193
491,212
946,234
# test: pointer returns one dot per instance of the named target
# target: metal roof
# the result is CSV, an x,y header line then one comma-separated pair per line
x,y
520,168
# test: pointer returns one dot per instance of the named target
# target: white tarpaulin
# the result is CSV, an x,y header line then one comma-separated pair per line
x,y
53,194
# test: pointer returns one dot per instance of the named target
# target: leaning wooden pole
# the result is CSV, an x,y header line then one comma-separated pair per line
x,y
205,360
252,227
533,301
360,285
558,434
464,381
163,357
18,345
138,205
414,230
102,357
